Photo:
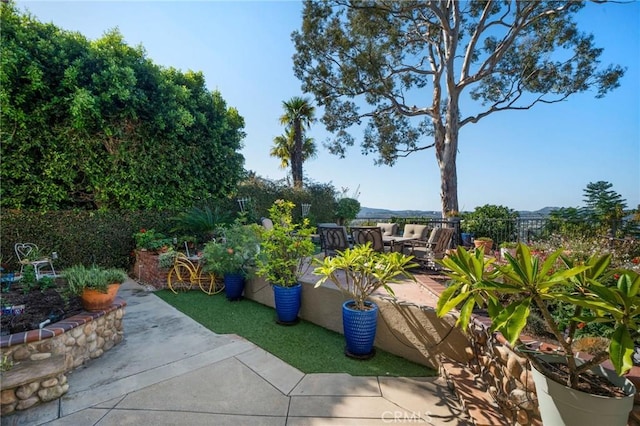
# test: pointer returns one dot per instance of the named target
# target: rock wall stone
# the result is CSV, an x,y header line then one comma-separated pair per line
x,y
508,379
37,367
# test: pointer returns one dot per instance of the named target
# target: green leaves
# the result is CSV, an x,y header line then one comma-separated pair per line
x,y
359,271
285,248
472,281
98,125
511,320
510,290
621,350
526,273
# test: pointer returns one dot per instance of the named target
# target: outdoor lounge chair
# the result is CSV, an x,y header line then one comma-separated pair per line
x,y
426,252
332,238
388,229
413,230
365,234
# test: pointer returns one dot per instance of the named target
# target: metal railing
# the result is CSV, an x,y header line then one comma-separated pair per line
x,y
525,229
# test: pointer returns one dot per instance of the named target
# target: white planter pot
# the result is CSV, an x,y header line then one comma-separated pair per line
x,y
503,251
560,405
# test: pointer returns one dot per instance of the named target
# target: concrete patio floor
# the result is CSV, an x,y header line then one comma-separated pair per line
x,y
170,370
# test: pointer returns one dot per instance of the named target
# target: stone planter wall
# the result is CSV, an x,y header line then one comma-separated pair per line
x,y
506,375
41,358
147,271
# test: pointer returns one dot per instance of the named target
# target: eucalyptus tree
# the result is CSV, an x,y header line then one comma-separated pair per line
x,y
298,115
403,67
283,146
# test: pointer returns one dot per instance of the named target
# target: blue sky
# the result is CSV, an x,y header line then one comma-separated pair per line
x,y
523,160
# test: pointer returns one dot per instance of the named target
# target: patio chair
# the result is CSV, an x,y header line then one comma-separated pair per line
x,y
413,230
28,254
388,229
426,252
372,234
332,238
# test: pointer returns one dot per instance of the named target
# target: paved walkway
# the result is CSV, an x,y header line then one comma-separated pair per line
x,y
170,370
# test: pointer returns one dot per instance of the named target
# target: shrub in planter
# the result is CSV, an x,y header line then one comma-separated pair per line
x,y
284,256
595,292
150,239
234,252
233,256
96,286
358,272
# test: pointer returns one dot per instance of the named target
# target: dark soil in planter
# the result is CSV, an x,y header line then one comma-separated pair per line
x,y
39,306
588,382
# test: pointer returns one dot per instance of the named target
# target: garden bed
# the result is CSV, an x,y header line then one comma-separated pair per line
x,y
35,361
24,309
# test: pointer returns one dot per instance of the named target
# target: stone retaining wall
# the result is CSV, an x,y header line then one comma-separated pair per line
x,y
506,375
41,358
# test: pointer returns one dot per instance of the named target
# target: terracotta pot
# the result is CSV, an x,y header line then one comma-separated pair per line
x,y
93,300
488,245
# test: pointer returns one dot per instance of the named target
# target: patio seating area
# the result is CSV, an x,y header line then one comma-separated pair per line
x,y
426,244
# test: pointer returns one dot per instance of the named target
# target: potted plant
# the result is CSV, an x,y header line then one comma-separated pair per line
x,y
152,240
96,286
232,256
595,293
483,242
508,247
284,257
188,242
358,272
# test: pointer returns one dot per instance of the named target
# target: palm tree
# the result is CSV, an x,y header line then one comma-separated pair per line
x,y
298,115
283,148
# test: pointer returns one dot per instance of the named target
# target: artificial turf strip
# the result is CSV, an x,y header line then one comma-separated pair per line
x,y
305,346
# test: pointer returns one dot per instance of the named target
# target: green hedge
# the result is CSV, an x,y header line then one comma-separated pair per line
x,y
106,237
103,238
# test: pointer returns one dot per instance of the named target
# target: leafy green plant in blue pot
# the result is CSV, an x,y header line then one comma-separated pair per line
x,y
285,252
358,272
233,256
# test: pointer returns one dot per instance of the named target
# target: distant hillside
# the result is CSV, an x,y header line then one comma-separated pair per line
x,y
369,212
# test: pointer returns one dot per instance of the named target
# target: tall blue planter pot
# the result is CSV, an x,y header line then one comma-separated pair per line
x,y
233,286
467,239
287,300
359,329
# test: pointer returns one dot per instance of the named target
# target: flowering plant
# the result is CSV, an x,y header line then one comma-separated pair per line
x,y
234,251
529,283
150,239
